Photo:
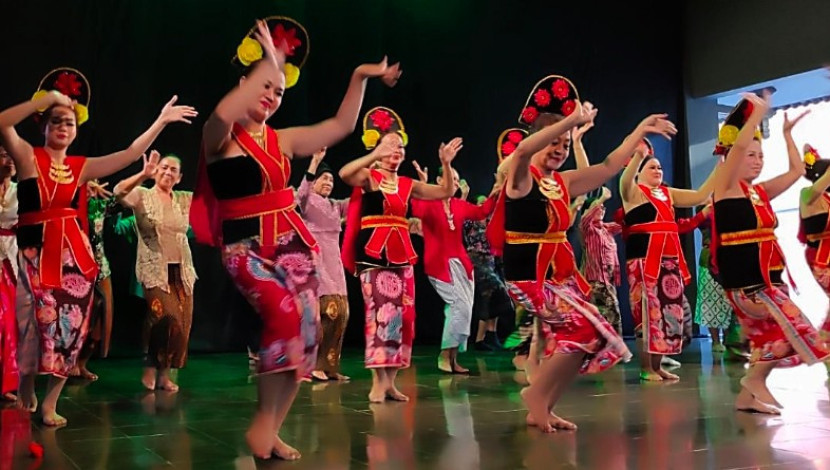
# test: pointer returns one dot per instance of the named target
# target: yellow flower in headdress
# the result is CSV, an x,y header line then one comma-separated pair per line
x,y
249,51
728,135
809,158
292,75
81,113
38,95
404,137
370,138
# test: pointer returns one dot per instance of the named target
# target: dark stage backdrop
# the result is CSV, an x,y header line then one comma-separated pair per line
x,y
468,67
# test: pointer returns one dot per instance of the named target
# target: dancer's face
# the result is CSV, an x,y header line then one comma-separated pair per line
x,y
753,161
324,184
168,174
393,161
269,98
455,180
651,174
7,168
554,154
61,127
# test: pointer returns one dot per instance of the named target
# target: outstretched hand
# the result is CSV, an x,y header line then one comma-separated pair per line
x,y
789,124
319,155
172,113
97,189
269,49
447,152
580,131
658,124
422,172
151,164
389,74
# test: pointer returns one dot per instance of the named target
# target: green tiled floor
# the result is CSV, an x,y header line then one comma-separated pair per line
x,y
452,422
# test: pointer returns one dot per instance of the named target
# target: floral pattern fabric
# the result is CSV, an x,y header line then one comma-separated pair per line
x,y
98,210
657,306
389,302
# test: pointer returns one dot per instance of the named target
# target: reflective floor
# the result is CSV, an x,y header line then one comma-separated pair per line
x,y
453,422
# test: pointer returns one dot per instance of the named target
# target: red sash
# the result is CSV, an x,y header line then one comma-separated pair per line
x,y
390,230
274,206
61,222
822,252
663,238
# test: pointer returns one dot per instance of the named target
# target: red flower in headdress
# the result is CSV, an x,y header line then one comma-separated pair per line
x,y
530,114
748,110
68,84
281,34
561,89
541,97
382,120
507,148
514,136
568,107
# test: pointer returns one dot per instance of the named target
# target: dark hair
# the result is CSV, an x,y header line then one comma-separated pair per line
x,y
645,160
817,169
172,156
544,120
43,118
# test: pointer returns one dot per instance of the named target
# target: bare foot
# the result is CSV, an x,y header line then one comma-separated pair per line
x,y
457,369
284,451
85,374
377,396
168,386
444,365
395,395
29,405
759,390
537,408
666,375
148,378
260,440
339,377
650,376
748,403
52,419
558,423
319,375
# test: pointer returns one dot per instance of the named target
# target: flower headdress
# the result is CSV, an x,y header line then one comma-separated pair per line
x,y
379,121
508,141
733,123
282,29
71,83
552,94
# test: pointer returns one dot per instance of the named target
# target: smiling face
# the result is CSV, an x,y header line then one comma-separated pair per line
x,y
168,174
60,127
393,162
753,162
651,173
7,168
323,184
554,155
455,180
269,98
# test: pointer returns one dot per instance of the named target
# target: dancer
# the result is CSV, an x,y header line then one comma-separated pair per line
x,y
164,265
656,266
9,378
377,246
748,256
243,203
815,225
530,221
446,263
100,205
57,267
324,216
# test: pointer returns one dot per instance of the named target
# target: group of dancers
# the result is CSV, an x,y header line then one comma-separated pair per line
x,y
280,247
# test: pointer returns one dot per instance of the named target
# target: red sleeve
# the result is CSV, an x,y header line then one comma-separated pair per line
x,y
419,207
686,225
479,212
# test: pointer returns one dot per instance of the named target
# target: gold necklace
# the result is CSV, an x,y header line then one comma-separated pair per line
x,y
448,213
754,197
550,188
60,173
659,194
259,138
388,187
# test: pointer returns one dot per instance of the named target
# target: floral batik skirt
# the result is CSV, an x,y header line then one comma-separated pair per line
x,y
776,328
570,324
822,275
8,329
280,283
167,323
52,323
657,306
389,303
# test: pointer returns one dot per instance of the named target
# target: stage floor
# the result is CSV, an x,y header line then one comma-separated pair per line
x,y
452,422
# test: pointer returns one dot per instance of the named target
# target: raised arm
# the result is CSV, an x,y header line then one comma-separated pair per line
x,y
578,133
356,172
812,193
695,197
303,141
305,184
781,183
447,153
628,185
730,170
518,170
583,180
100,167
21,151
125,192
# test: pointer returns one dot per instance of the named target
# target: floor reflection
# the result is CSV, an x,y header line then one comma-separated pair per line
x,y
452,422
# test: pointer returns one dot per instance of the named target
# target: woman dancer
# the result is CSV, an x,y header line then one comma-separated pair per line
x,y
749,258
57,267
244,204
656,266
530,223
164,265
9,378
377,246
324,216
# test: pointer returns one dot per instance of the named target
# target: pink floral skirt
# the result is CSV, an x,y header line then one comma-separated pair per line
x,y
657,306
570,324
776,328
389,303
52,323
281,285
